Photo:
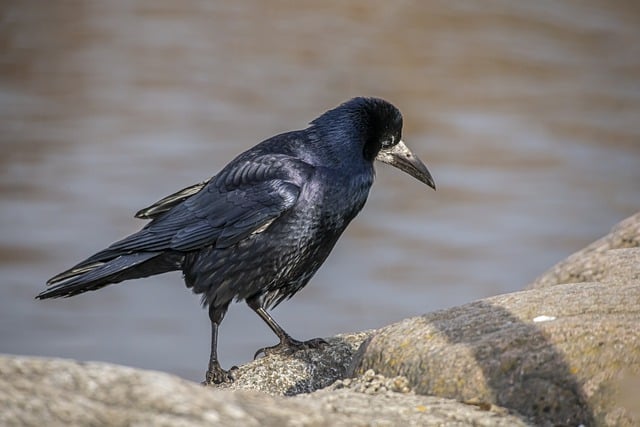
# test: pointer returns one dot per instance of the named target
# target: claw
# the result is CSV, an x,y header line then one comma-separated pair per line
x,y
262,350
289,346
218,376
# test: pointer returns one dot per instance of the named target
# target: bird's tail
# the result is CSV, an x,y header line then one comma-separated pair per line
x,y
106,268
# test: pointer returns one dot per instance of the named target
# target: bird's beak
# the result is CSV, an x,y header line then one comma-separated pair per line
x,y
402,158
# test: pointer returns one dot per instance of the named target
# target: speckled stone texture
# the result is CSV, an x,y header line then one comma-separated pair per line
x,y
302,372
560,371
56,392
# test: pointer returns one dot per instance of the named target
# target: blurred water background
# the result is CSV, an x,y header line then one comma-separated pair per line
x,y
527,114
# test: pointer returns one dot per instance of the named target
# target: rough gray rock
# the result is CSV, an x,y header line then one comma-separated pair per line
x,y
562,368
302,372
36,392
55,392
373,399
602,261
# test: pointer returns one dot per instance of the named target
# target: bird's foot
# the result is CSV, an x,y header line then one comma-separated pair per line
x,y
217,375
290,345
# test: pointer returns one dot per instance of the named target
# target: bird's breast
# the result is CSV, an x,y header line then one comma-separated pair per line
x,y
337,198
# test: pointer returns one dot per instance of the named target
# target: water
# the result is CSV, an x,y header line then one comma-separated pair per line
x,y
527,114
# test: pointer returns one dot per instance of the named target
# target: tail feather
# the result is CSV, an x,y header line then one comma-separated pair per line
x,y
88,277
75,271
96,261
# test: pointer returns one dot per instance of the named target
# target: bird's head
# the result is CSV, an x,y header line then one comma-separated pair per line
x,y
377,125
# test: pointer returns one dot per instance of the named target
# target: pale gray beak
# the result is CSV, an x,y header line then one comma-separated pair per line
x,y
402,158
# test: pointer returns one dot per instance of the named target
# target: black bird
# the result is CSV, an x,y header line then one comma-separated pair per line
x,y
258,230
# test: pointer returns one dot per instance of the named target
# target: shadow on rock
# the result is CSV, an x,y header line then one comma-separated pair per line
x,y
551,354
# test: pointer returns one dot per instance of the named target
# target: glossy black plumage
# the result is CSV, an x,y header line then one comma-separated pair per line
x,y
260,228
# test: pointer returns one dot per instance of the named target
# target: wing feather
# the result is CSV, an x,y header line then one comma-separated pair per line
x,y
166,203
247,196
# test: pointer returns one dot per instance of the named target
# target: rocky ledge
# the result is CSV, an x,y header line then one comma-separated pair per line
x,y
566,351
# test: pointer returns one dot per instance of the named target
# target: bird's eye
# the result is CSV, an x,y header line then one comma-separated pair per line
x,y
389,142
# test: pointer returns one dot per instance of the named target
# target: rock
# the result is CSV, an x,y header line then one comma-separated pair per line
x,y
36,392
607,260
55,392
302,372
370,400
566,353
555,354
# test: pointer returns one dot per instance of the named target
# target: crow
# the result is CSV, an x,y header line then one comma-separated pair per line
x,y
259,229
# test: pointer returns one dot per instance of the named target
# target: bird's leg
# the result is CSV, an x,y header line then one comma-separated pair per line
x,y
287,345
215,373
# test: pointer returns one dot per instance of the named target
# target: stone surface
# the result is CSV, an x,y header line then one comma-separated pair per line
x,y
555,354
36,392
380,401
302,372
55,392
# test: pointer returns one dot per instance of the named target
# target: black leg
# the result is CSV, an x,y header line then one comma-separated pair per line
x,y
215,373
287,344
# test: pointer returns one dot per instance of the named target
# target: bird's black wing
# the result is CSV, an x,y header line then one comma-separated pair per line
x,y
166,203
244,198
